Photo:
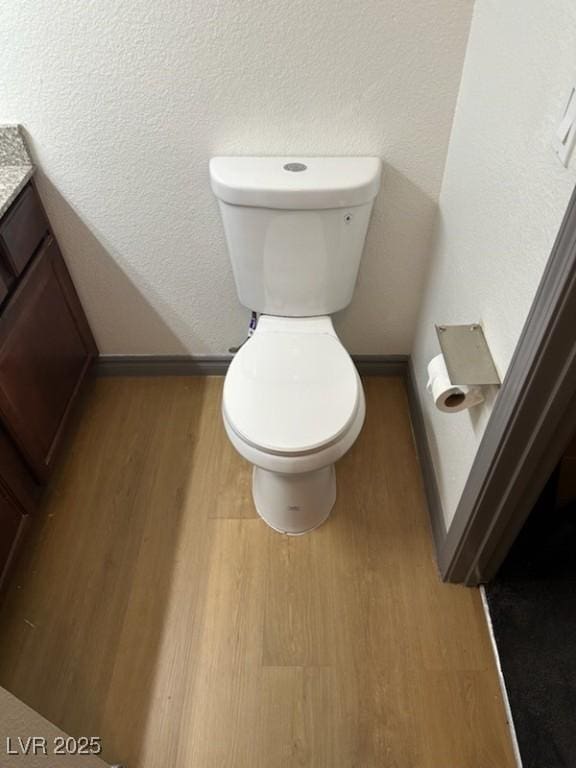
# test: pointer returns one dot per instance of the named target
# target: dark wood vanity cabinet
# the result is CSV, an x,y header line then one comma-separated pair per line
x,y
46,349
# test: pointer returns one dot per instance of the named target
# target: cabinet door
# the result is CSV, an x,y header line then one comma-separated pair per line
x,y
16,476
46,348
4,285
12,523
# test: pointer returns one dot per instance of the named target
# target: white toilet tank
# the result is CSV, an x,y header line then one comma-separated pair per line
x,y
295,228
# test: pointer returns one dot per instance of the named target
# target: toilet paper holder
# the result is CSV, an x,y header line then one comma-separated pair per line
x,y
467,355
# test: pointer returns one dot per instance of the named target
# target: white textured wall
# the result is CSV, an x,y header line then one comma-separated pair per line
x,y
125,102
503,197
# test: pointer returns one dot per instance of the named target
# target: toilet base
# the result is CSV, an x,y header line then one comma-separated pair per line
x,y
294,503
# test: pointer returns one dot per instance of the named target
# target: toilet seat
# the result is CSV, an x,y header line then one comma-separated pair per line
x,y
292,389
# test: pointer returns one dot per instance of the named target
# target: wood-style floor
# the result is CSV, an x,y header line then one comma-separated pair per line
x,y
154,609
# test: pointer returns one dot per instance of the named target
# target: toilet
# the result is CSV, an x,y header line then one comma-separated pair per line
x,y
293,402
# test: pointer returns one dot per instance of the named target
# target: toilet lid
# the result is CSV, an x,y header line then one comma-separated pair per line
x,y
290,392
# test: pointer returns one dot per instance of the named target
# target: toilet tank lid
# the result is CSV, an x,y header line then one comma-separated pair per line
x,y
296,183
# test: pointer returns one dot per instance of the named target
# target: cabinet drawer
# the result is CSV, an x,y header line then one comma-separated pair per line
x,y
23,229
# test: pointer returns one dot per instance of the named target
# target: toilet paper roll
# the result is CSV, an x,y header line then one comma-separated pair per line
x,y
448,397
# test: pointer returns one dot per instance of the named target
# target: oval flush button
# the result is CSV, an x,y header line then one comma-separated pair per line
x,y
295,167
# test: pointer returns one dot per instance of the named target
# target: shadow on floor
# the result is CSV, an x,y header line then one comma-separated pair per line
x,y
103,548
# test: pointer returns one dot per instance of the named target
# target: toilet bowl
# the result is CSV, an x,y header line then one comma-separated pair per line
x,y
293,404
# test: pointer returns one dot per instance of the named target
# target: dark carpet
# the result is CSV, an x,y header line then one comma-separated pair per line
x,y
533,608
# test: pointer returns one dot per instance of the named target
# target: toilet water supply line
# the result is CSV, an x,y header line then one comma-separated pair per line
x,y
251,328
